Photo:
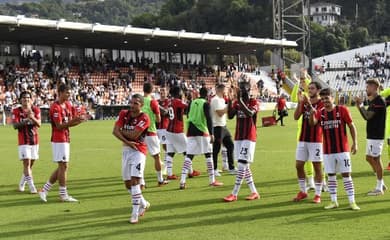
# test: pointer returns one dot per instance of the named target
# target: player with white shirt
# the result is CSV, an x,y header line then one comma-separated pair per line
x,y
222,135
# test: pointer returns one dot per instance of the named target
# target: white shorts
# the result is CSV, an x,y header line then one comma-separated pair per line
x,y
61,152
28,152
133,163
162,136
153,144
244,150
374,147
337,163
177,142
199,145
309,151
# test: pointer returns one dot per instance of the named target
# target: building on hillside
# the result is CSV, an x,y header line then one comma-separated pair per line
x,y
326,14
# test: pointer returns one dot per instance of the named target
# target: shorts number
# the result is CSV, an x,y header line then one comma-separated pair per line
x,y
244,151
318,152
163,138
347,163
371,148
138,167
171,113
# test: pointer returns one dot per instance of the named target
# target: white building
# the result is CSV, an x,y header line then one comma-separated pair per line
x,y
325,14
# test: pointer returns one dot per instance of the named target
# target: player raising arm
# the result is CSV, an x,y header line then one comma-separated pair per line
x,y
245,110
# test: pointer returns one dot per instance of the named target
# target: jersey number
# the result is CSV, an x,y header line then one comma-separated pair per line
x,y
171,113
244,151
347,163
318,152
138,167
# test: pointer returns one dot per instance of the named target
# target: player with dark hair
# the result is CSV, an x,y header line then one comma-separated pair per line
x,y
151,108
222,135
62,118
199,138
27,119
309,148
177,140
131,128
333,121
245,110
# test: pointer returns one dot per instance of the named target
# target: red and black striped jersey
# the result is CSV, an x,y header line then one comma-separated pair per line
x,y
310,133
163,124
176,115
334,130
28,134
245,125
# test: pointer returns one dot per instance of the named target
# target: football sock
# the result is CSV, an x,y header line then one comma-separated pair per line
x,y
29,181
249,180
379,184
239,177
332,185
210,169
47,186
136,197
159,176
186,168
169,161
318,188
349,188
63,192
302,184
22,181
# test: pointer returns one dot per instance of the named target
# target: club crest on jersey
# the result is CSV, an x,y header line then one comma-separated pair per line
x,y
241,114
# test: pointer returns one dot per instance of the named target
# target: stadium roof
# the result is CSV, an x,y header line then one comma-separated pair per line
x,y
61,32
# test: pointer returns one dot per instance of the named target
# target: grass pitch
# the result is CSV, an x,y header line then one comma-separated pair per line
x,y
195,213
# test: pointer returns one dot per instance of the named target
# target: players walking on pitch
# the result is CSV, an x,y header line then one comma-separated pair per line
x,y
62,117
131,128
27,119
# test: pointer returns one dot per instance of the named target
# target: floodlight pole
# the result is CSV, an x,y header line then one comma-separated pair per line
x,y
291,18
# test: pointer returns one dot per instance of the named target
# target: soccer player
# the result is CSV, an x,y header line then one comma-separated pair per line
x,y
199,138
177,141
162,126
245,110
310,142
27,119
221,133
333,120
151,108
131,128
62,118
375,116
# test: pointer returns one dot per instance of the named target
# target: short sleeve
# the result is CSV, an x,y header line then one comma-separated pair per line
x,y
55,113
346,115
37,113
15,116
143,123
154,106
120,121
